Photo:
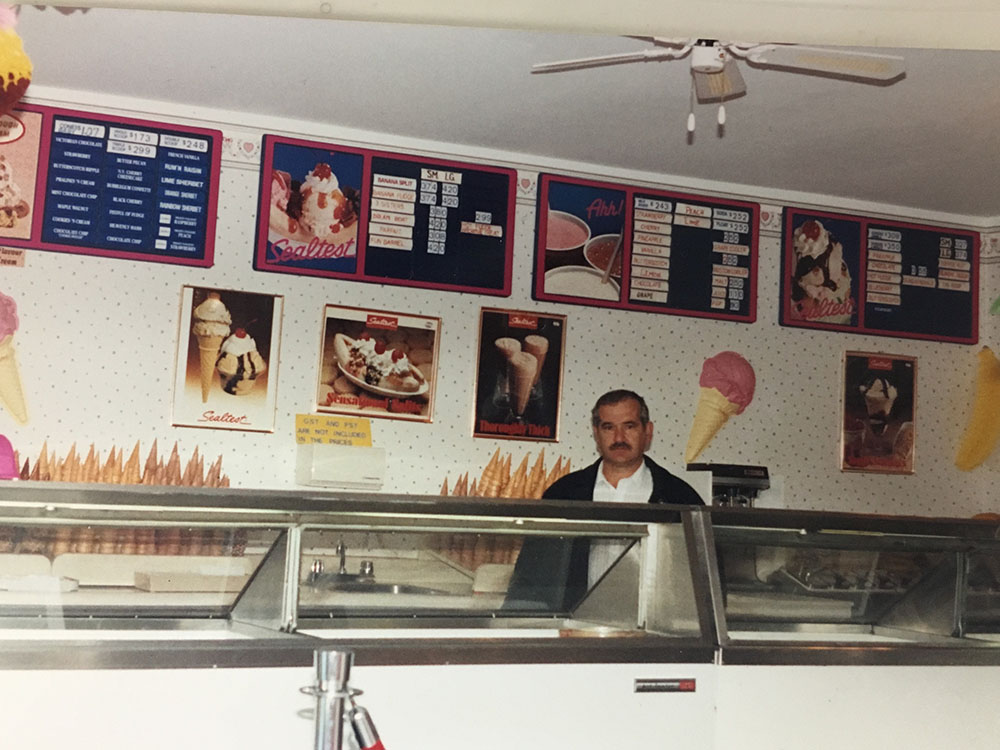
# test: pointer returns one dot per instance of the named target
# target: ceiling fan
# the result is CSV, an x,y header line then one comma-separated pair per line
x,y
715,76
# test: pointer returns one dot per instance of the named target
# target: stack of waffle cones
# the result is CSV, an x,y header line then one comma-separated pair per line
x,y
116,469
53,541
473,550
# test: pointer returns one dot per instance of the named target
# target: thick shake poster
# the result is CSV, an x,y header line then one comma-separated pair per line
x,y
519,375
311,209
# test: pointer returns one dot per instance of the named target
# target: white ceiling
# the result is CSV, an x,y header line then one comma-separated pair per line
x,y
930,142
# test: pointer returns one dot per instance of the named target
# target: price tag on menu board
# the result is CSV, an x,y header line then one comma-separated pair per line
x,y
669,252
91,184
871,276
351,213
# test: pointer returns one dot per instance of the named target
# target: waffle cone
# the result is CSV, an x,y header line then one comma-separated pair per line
x,y
10,381
713,411
208,348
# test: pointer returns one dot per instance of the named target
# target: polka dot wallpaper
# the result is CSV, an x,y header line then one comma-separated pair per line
x,y
98,337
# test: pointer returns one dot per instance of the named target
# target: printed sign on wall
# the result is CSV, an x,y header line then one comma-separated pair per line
x,y
350,213
880,396
635,248
377,363
90,184
227,359
873,276
519,375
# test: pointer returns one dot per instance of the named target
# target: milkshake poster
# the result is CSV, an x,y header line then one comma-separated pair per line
x,y
227,359
582,230
822,255
310,205
519,375
378,364
879,413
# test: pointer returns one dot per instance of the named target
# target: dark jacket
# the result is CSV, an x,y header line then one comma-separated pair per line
x,y
551,573
579,485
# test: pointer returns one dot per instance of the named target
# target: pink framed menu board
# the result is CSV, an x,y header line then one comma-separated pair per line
x,y
669,252
363,215
95,184
874,276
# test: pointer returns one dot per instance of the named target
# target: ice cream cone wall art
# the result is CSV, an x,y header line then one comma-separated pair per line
x,y
726,388
519,375
227,358
11,391
15,67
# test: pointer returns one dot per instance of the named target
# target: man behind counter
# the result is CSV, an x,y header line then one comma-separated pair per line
x,y
623,433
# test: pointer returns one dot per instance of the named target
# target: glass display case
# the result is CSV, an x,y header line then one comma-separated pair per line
x,y
918,589
271,574
404,579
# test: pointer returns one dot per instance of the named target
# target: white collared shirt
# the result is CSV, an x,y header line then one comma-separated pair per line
x,y
635,488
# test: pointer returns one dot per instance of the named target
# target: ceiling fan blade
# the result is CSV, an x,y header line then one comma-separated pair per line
x,y
727,84
596,62
661,41
824,60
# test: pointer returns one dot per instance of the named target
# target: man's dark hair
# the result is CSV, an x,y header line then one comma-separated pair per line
x,y
616,397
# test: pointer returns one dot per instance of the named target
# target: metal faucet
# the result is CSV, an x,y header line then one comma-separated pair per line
x,y
342,553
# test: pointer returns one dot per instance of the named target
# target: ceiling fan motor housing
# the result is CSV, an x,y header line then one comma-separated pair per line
x,y
707,59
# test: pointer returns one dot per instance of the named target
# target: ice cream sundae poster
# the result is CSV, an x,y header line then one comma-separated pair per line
x,y
519,375
227,359
378,364
879,413
20,135
310,208
822,267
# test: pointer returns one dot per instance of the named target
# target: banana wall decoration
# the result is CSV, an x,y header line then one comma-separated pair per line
x,y
983,431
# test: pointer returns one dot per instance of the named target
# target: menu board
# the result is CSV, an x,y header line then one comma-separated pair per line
x,y
351,213
672,253
872,276
91,184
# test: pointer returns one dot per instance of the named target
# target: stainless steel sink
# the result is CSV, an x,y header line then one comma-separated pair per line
x,y
370,587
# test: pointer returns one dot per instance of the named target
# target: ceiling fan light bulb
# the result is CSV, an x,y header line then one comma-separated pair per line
x,y
691,122
722,114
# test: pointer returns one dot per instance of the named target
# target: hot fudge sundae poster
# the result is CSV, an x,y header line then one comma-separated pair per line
x,y
378,364
822,270
227,359
519,375
310,204
879,413
20,133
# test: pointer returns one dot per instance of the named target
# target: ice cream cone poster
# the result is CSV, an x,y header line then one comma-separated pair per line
x,y
378,364
227,359
20,134
822,270
519,375
879,413
310,204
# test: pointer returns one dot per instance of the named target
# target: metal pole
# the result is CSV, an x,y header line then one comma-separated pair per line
x,y
333,670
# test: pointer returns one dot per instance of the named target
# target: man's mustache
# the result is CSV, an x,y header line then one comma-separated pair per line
x,y
627,446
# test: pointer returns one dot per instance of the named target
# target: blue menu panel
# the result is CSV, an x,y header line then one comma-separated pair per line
x,y
872,276
126,188
633,248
